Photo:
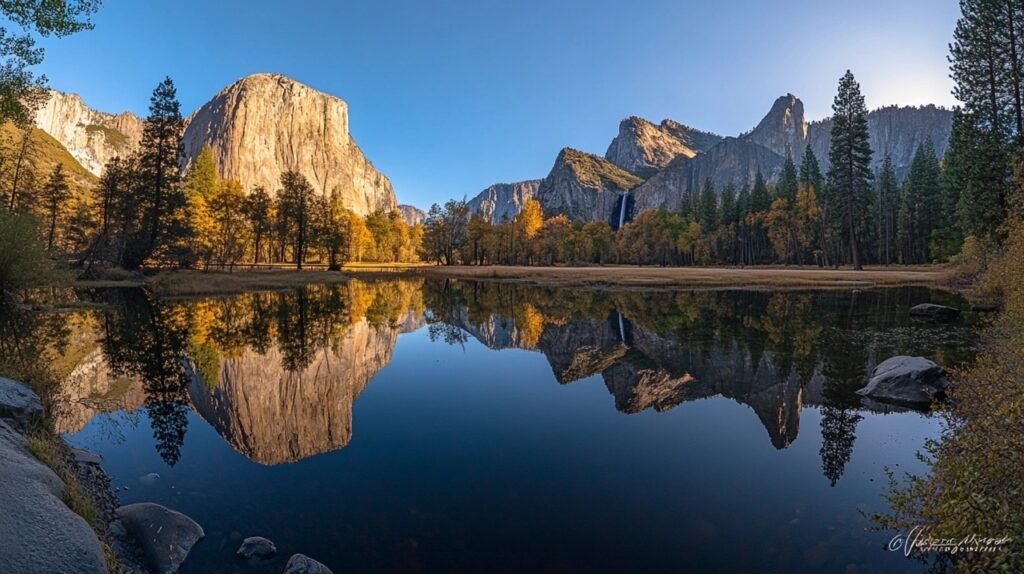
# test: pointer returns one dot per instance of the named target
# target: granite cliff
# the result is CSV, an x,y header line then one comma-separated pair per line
x,y
503,200
91,137
584,187
258,127
643,148
265,124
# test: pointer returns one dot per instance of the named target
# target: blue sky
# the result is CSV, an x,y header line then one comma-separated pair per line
x,y
448,97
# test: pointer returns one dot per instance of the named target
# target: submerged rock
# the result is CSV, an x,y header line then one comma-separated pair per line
x,y
149,479
83,456
18,404
39,533
256,547
302,564
903,379
934,312
164,536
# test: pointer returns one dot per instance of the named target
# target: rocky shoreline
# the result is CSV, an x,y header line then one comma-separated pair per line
x,y
61,515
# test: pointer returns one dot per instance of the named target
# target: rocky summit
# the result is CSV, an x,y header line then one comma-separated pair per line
x,y
266,124
643,148
411,214
584,187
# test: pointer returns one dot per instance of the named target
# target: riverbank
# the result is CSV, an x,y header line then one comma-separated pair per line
x,y
188,282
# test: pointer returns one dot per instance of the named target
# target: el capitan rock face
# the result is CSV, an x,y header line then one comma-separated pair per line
x,y
91,137
503,200
584,187
265,124
643,148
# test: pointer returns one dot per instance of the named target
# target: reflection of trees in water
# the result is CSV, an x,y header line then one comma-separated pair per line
x,y
147,340
30,343
151,340
734,343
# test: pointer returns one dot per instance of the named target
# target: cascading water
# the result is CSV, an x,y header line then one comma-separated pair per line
x,y
622,327
622,209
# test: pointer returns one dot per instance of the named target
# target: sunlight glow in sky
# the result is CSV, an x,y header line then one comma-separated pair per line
x,y
448,97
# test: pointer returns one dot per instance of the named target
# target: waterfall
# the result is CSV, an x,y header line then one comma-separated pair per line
x,y
622,212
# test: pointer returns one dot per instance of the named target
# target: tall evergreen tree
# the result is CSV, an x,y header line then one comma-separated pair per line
x,y
919,205
157,186
849,175
788,182
886,204
727,205
708,207
55,195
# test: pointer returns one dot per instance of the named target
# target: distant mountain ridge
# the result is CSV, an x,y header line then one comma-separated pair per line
x,y
670,161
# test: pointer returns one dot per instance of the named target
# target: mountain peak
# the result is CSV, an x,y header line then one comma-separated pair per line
x,y
784,129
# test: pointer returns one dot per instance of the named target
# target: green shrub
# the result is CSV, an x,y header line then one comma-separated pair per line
x,y
24,261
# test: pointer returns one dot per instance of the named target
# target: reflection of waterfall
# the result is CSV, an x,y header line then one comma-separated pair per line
x,y
622,212
622,328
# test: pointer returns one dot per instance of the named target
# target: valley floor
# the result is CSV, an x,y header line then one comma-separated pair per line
x,y
192,282
772,277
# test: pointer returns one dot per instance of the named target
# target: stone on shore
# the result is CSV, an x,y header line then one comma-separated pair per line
x,y
256,547
39,533
18,404
934,312
302,564
903,379
164,536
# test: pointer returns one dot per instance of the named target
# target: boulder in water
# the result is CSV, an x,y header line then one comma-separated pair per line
x,y
164,536
302,564
256,547
903,379
934,312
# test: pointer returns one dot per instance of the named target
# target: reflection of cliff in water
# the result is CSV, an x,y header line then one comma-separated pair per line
x,y
774,352
276,374
273,415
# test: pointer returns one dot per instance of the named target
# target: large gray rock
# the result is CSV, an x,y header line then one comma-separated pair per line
x,y
256,547
934,312
18,404
38,532
903,379
302,564
164,536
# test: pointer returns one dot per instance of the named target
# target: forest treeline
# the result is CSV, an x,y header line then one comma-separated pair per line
x,y
848,215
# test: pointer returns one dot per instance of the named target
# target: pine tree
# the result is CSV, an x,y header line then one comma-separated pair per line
x,y
760,199
849,174
159,194
920,205
55,195
887,201
786,188
728,213
708,207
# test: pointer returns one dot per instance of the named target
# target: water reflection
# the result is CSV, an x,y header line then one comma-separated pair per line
x,y
276,374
